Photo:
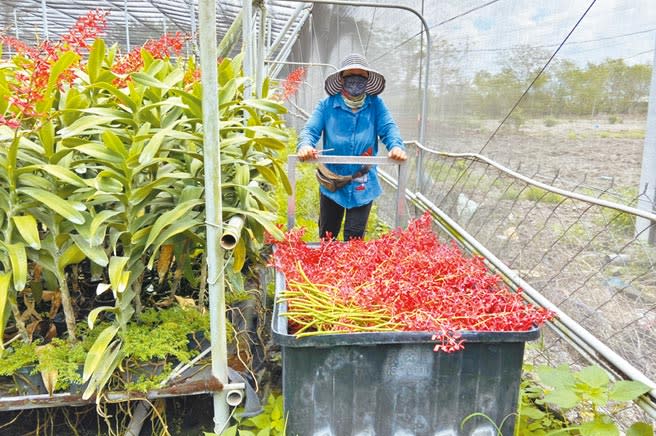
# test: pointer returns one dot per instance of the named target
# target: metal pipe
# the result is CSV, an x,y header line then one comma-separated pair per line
x,y
424,101
194,32
213,207
44,18
287,48
307,64
127,25
581,334
599,202
644,229
247,42
16,29
259,71
286,27
191,387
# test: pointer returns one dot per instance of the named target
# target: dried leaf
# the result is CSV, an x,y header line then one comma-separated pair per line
x,y
164,261
186,303
50,377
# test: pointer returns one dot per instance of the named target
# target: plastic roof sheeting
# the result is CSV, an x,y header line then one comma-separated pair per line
x,y
30,21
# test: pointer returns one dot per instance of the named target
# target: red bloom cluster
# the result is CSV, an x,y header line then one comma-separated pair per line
x,y
85,30
428,286
293,81
35,64
162,48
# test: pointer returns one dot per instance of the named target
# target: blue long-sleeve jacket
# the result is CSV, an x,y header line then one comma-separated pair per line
x,y
348,133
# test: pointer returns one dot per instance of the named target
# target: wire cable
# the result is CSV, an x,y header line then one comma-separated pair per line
x,y
448,20
535,79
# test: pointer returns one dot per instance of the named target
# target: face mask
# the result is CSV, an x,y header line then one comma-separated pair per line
x,y
355,85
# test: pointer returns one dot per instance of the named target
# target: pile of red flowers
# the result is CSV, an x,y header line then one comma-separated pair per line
x,y
408,278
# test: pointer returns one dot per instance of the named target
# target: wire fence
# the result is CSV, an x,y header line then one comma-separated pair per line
x,y
576,248
555,95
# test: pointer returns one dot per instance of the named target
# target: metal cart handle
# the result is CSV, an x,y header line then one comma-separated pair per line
x,y
293,160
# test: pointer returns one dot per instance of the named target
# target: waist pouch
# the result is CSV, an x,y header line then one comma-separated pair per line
x,y
332,181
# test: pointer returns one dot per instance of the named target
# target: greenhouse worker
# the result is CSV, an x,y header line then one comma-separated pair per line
x,y
351,119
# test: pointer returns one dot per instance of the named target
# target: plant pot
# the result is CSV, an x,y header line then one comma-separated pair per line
x,y
28,383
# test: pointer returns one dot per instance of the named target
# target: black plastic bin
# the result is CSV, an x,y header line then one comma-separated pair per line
x,y
394,384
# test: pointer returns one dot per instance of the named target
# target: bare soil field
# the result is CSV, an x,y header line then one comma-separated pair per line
x,y
594,151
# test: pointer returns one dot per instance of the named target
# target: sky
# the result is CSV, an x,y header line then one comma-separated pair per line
x,y
610,29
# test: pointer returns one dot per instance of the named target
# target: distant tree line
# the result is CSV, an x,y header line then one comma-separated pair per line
x,y
611,87
565,88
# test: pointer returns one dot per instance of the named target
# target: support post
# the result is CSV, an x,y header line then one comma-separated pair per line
x,y
645,229
213,207
126,15
261,40
44,19
247,40
194,31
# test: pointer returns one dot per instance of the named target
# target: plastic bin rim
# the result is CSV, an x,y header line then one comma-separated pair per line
x,y
282,337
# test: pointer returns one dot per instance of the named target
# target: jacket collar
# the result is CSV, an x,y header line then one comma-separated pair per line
x,y
338,101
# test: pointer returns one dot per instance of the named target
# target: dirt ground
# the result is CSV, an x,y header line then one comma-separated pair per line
x,y
601,153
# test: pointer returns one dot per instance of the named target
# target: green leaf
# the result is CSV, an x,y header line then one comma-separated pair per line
x,y
172,230
100,152
266,220
96,56
62,173
47,137
228,91
65,60
559,377
265,105
56,203
83,124
239,255
267,131
272,143
123,98
95,253
5,280
71,256
626,390
29,230
148,80
562,398
531,412
593,376
640,429
98,221
98,351
151,149
601,426
108,362
117,273
93,315
18,258
114,143
169,217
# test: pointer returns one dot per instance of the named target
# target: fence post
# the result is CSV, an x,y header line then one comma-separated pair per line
x,y
647,190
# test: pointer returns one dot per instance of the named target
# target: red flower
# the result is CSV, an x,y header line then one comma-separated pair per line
x,y
293,81
426,285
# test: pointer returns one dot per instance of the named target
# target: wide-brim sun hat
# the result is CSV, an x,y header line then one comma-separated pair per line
x,y
334,83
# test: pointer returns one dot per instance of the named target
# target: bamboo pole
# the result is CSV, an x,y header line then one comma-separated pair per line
x,y
213,206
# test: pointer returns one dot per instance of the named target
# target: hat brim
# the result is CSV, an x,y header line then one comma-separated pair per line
x,y
375,85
